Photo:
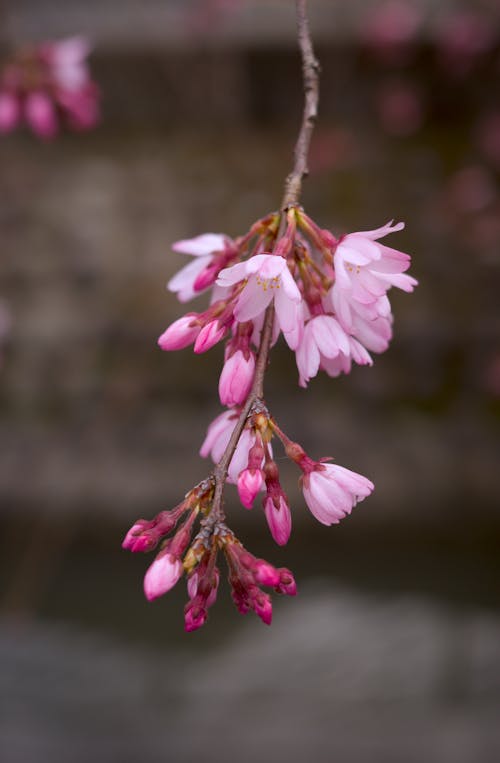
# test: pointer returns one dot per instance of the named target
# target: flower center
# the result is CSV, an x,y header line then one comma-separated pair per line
x,y
356,269
268,283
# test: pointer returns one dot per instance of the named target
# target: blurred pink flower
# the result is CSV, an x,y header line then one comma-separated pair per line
x,y
400,107
48,84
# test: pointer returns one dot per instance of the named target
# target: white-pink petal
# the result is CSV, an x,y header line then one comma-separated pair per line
x,y
201,246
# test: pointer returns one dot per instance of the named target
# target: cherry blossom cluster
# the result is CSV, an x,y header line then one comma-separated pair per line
x,y
328,297
198,558
48,84
329,294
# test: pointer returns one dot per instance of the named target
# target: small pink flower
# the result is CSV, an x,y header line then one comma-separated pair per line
x,y
250,482
323,338
364,271
67,60
236,378
10,112
331,491
41,115
181,333
186,283
279,519
266,277
162,575
218,434
342,363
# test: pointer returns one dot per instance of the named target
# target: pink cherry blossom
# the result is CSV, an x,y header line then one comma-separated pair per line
x,y
218,434
364,271
162,575
342,363
10,112
266,277
203,248
40,114
216,441
323,338
68,63
331,491
236,378
46,84
279,519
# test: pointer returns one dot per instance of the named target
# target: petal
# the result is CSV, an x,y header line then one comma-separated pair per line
x,y
182,282
205,244
329,336
358,250
252,301
289,316
383,231
232,275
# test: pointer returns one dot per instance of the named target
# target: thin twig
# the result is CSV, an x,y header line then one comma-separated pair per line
x,y
293,187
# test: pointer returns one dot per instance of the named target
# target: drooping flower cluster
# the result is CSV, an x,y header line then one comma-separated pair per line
x,y
48,84
329,300
246,573
329,295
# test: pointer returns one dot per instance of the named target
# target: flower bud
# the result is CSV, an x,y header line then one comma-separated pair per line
x,y
236,378
278,517
209,335
162,575
180,333
249,483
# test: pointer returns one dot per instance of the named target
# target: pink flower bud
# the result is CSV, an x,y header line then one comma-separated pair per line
x,y
9,112
195,616
279,519
265,573
236,378
131,538
209,336
250,482
287,584
180,333
162,575
263,607
41,115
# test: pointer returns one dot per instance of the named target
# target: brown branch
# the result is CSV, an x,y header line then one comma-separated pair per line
x,y
293,187
310,74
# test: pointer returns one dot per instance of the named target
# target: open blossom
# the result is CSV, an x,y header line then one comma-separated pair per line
x,y
209,250
364,271
324,340
48,83
331,491
216,441
266,277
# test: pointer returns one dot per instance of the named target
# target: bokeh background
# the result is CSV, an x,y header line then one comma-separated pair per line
x,y
391,650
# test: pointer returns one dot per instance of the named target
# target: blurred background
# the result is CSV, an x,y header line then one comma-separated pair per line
x,y
391,650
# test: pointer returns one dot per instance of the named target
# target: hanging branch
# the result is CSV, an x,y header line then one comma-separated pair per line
x,y
327,296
